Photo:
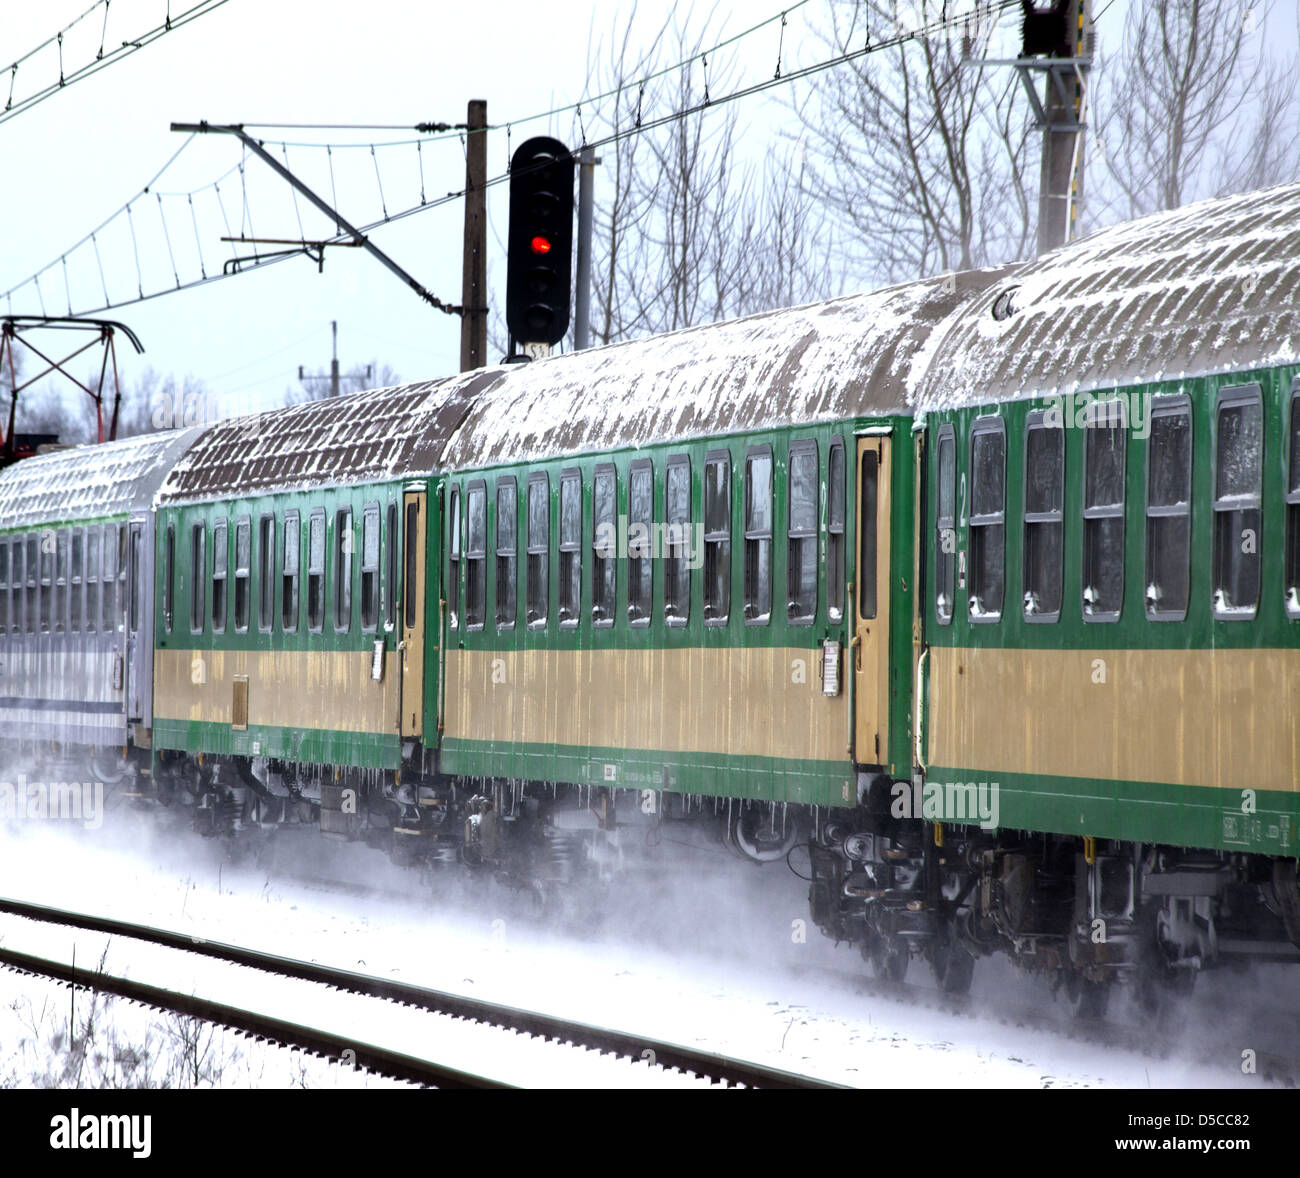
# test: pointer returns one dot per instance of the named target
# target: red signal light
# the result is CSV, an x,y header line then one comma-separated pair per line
x,y
540,244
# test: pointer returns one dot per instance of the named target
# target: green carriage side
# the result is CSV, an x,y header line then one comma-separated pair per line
x,y
295,607
1141,678
671,683
265,647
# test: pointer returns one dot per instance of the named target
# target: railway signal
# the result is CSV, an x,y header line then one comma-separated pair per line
x,y
539,265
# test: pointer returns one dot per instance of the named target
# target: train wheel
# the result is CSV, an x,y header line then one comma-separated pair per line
x,y
889,960
109,766
755,836
1158,984
1086,998
952,964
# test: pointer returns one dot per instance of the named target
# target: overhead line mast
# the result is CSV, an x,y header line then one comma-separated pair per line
x,y
1057,41
344,226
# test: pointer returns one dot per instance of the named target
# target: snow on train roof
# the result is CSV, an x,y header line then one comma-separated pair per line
x,y
848,357
88,482
1210,287
362,437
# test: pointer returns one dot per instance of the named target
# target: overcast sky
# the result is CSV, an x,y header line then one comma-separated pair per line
x,y
73,160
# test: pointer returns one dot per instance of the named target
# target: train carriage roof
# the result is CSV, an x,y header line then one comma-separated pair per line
x,y
359,438
851,356
88,482
1207,288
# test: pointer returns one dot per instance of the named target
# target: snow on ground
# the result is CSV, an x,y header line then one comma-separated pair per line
x,y
120,1045
707,951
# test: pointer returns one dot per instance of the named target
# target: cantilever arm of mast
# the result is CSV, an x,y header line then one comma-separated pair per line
x,y
351,230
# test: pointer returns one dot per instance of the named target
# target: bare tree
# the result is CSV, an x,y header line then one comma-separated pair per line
x,y
922,156
1193,105
623,206
688,228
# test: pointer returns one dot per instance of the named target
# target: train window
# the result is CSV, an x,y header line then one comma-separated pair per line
x,y
243,572
677,541
61,580
32,617
47,580
758,535
316,570
717,538
343,544
476,555
1293,508
868,566
570,547
136,585
109,594
411,548
1044,519
507,551
4,586
801,555
835,486
169,580
1169,509
538,603
94,545
220,565
390,590
370,568
14,591
604,569
198,576
988,498
266,573
1104,461
125,599
945,529
17,622
292,545
640,534
1238,470
75,582
453,559
22,619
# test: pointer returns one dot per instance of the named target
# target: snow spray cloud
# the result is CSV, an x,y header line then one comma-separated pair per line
x,y
59,801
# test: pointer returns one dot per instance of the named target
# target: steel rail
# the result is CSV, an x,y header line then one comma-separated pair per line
x,y
364,1055
704,1064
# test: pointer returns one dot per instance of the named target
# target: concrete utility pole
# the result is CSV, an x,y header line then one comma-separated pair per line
x,y
1065,114
473,320
1058,39
333,378
334,357
587,162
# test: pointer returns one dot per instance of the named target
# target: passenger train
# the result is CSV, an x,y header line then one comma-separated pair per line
x,y
978,594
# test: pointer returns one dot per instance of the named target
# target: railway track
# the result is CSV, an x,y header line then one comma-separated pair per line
x,y
1161,1038
709,1067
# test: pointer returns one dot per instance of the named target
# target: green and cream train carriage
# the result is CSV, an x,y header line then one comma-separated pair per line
x,y
984,588
1112,586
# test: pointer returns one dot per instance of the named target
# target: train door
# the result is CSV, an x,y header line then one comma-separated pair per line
x,y
413,591
138,621
871,605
